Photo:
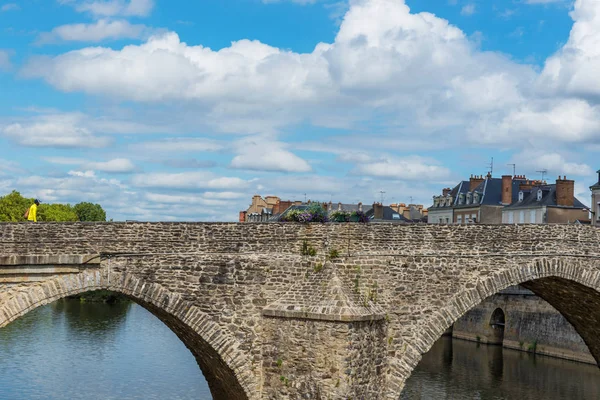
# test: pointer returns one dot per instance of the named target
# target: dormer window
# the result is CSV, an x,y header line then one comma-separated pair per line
x,y
521,196
461,198
475,197
469,197
539,195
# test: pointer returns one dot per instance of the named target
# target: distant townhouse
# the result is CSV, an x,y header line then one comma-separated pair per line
x,y
596,201
478,200
541,203
263,210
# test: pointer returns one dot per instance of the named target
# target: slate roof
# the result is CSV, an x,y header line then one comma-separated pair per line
x,y
388,215
548,199
597,184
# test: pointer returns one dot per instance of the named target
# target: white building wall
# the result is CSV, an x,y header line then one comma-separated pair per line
x,y
434,215
524,216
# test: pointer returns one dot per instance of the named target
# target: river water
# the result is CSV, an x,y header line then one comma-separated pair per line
x,y
457,369
74,350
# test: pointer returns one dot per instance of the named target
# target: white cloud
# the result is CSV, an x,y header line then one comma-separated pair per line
x,y
4,60
113,8
408,168
179,145
95,32
61,131
555,163
187,180
574,69
265,154
117,165
9,7
468,9
415,74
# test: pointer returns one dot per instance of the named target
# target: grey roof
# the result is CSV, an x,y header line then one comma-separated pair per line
x,y
350,207
548,198
597,184
389,214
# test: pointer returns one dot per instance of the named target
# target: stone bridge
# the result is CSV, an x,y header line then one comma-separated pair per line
x,y
286,311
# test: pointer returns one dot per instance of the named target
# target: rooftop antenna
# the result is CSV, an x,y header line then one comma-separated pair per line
x,y
305,197
543,172
492,166
514,169
382,193
411,199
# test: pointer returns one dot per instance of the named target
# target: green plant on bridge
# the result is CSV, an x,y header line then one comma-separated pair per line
x,y
318,267
334,253
307,249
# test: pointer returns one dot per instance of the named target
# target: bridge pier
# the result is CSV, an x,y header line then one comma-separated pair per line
x,y
324,341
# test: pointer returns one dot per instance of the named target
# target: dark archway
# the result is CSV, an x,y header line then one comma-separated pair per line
x,y
497,323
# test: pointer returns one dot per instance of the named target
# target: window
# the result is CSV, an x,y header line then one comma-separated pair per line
x,y
461,198
532,217
395,216
475,197
459,219
473,218
520,196
447,220
441,222
521,217
539,194
510,217
469,196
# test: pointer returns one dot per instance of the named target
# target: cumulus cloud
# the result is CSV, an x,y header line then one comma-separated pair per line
x,y
264,154
554,163
179,145
117,165
574,69
187,180
416,69
60,131
113,8
410,168
95,32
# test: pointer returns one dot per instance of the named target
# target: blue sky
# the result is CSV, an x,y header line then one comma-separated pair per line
x,y
180,110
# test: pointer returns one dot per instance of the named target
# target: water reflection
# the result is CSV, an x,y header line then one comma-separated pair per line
x,y
457,369
74,350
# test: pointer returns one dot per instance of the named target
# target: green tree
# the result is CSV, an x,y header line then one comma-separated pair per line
x,y
89,212
56,213
13,207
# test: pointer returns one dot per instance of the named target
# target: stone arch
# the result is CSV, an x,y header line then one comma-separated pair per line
x,y
569,284
226,368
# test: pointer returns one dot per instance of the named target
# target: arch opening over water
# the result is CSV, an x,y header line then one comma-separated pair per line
x,y
219,359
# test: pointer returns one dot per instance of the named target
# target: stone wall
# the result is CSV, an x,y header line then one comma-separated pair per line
x,y
381,302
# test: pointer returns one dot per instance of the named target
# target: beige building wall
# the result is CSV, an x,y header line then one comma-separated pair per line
x,y
558,215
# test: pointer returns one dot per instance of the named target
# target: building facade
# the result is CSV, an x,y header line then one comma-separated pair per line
x,y
596,201
541,203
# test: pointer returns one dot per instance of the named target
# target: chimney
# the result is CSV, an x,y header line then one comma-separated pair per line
x,y
506,189
329,206
474,181
360,207
565,192
377,211
526,185
242,216
446,192
339,206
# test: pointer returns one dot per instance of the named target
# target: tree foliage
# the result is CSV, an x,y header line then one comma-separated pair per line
x,y
13,207
89,212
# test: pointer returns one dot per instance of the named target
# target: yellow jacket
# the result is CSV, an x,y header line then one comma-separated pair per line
x,y
32,213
